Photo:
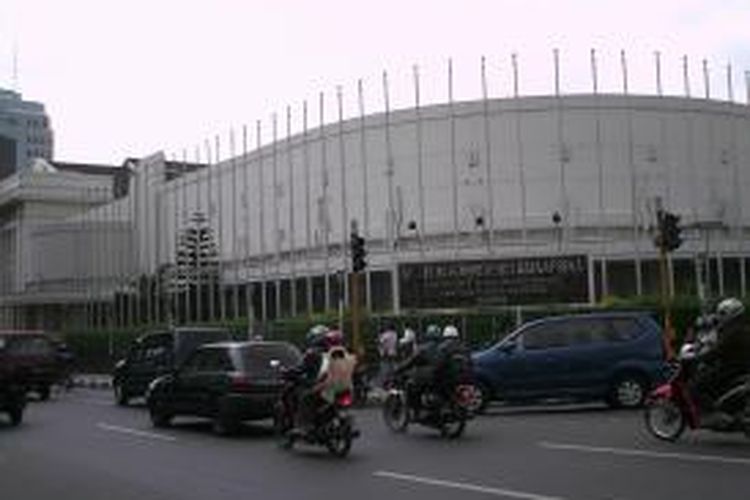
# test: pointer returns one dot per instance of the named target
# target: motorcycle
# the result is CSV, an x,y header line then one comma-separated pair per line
x,y
333,427
448,415
671,408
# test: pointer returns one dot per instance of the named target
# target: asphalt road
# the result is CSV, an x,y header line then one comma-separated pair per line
x,y
80,446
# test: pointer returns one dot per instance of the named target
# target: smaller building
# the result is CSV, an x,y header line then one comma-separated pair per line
x,y
25,133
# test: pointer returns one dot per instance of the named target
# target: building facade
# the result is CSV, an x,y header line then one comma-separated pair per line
x,y
500,197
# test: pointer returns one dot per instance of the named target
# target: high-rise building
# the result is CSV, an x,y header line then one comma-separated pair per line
x,y
25,133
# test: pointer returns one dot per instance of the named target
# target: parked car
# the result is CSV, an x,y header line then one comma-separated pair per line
x,y
156,354
617,357
32,355
228,382
12,384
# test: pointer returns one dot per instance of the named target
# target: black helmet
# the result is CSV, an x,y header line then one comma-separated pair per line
x,y
432,333
316,337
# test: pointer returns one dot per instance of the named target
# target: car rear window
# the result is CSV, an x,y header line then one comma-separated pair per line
x,y
256,359
188,340
30,346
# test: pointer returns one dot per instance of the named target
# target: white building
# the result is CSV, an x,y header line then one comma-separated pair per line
x,y
576,175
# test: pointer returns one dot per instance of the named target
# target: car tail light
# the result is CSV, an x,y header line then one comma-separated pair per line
x,y
240,382
345,399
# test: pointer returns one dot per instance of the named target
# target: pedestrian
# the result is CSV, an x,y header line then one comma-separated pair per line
x,y
387,350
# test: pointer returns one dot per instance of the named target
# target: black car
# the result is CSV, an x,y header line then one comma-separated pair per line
x,y
228,382
156,354
31,356
13,383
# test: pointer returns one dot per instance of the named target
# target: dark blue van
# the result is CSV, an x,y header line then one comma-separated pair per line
x,y
615,356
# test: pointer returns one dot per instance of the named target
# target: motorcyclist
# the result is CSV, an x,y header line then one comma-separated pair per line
x,y
336,370
421,365
307,373
725,359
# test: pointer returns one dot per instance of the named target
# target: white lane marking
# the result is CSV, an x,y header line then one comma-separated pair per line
x,y
135,432
476,488
632,452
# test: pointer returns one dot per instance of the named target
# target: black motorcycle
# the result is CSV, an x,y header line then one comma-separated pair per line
x,y
447,413
332,425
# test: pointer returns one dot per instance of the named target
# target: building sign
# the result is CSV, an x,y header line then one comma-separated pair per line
x,y
532,280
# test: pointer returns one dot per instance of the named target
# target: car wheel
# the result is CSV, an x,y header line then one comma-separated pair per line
x,y
628,391
746,419
121,396
16,416
225,426
159,417
44,392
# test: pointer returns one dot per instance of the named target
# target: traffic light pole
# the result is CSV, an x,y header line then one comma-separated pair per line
x,y
356,322
665,302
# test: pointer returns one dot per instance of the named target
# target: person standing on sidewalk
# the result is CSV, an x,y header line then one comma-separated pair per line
x,y
387,350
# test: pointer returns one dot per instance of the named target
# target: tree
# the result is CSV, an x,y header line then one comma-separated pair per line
x,y
196,268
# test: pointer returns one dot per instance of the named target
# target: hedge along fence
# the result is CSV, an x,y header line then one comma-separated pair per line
x,y
97,351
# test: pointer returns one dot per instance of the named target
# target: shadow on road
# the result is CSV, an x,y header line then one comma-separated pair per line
x,y
249,430
546,409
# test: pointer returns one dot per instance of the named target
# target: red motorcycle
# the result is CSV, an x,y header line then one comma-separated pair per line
x,y
671,408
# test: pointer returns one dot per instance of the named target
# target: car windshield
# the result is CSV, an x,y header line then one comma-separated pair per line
x,y
258,359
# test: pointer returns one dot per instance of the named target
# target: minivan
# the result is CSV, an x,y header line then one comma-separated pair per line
x,y
158,353
615,356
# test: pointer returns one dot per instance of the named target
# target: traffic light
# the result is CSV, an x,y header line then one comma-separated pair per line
x,y
358,251
669,238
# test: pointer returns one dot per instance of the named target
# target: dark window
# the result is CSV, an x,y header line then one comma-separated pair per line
x,y
546,336
198,361
258,359
624,329
583,331
589,330
209,360
31,346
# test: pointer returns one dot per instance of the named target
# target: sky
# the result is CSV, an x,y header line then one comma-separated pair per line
x,y
125,79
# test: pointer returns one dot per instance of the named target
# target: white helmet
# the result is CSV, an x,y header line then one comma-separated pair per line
x,y
450,332
409,336
687,352
729,309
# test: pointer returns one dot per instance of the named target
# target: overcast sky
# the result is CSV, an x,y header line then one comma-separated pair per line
x,y
128,78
